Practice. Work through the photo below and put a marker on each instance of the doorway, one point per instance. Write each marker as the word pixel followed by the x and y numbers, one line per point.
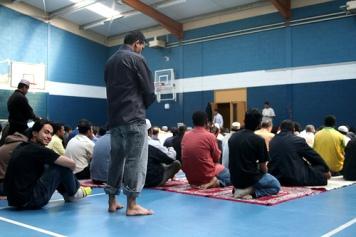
pixel 231 104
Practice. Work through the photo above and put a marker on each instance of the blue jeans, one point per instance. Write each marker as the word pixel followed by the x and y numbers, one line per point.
pixel 129 155
pixel 267 185
pixel 224 178
pixel 54 177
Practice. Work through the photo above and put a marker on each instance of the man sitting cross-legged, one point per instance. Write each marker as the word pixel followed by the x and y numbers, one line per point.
pixel 161 165
pixel 35 172
pixel 248 159
pixel 80 149
pixel 200 156
pixel 294 162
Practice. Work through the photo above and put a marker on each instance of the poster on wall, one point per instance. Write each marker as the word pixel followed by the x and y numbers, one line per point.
pixel 34 73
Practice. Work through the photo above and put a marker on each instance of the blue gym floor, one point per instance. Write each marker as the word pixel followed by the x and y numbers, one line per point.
pixel 330 213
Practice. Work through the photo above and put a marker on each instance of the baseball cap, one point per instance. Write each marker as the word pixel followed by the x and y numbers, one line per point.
pixel 26 82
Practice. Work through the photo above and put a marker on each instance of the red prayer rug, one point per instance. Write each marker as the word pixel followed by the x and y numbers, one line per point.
pixel 286 193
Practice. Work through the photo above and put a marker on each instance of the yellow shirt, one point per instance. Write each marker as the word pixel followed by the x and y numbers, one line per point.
pixel 329 143
pixel 56 145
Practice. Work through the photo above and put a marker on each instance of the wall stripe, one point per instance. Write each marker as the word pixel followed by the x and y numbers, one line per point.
pixel 282 76
pixel 77 90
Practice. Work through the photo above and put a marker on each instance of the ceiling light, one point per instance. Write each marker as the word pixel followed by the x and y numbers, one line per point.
pixel 102 10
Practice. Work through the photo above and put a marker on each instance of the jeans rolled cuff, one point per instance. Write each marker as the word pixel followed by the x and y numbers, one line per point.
pixel 130 193
pixel 111 190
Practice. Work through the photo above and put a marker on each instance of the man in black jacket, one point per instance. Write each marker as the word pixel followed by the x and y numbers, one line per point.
pixel 293 162
pixel 349 170
pixel 162 164
pixel 160 167
pixel 19 109
pixel 130 91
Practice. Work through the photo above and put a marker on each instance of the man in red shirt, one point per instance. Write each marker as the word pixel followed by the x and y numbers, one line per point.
pixel 200 156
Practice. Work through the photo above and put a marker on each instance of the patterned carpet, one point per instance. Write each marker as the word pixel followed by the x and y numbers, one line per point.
pixel 181 185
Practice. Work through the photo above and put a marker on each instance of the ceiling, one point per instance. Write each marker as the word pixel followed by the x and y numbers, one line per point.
pixel 139 15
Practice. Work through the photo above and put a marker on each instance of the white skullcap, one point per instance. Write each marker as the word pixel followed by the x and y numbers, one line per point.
pixel 343 129
pixel 148 124
pixel 236 125
pixel 26 82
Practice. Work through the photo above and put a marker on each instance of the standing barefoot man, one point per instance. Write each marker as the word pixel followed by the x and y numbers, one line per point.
pixel 129 89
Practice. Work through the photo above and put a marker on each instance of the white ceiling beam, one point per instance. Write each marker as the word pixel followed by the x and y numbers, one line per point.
pixel 72 8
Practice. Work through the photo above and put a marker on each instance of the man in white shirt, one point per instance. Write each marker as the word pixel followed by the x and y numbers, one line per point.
pixel 170 152
pixel 268 112
pixel 218 118
pixel 80 149
pixel 308 134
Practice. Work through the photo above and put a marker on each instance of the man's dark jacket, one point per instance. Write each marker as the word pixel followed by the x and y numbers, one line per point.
pixel 294 163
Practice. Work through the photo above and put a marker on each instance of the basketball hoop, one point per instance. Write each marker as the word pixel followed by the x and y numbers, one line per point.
pixel 164 85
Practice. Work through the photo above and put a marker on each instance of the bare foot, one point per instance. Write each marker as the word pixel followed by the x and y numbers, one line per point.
pixel 113 205
pixel 137 210
pixel 214 182
pixel 327 175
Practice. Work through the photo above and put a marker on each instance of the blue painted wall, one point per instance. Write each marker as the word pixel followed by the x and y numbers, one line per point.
pixel 294 46
pixel 72 59
pixel 69 59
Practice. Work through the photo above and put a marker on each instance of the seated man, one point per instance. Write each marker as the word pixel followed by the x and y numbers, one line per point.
pixel 154 141
pixel 200 156
pixel 176 141
pixel 160 166
pixel 349 170
pixel 329 144
pixel 248 157
pixel 235 126
pixel 35 172
pixel 6 150
pixel 56 143
pixel 294 162
pixel 99 165
pixel 80 149
pixel 265 131
pixel 308 134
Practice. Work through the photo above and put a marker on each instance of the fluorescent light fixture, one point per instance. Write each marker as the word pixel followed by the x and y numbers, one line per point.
pixel 102 10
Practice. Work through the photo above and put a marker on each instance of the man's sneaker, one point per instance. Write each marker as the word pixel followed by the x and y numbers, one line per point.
pixel 81 193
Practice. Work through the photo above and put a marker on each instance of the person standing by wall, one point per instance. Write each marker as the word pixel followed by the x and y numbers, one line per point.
pixel 19 109
pixel 130 91
pixel 268 112
pixel 218 118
